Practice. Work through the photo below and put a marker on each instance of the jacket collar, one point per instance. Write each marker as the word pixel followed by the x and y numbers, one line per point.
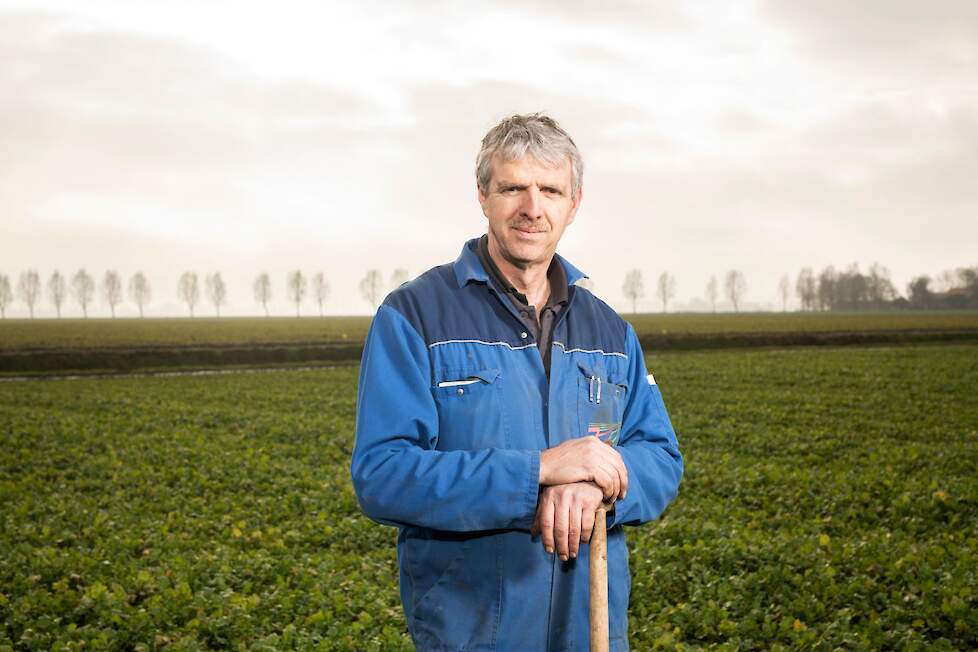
pixel 468 268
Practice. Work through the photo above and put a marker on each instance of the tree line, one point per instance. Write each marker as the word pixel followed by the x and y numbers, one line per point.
pixel 82 288
pixel 831 289
pixel 734 288
pixel 850 289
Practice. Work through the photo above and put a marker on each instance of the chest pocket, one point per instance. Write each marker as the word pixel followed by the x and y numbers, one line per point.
pixel 601 396
pixel 470 414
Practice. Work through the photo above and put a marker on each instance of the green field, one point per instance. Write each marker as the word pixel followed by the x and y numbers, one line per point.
pixel 830 502
pixel 202 331
pixel 100 333
pixel 803 322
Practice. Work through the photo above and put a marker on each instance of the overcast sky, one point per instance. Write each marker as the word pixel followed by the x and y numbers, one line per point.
pixel 337 137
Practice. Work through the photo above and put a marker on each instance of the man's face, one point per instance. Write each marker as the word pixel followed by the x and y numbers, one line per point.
pixel 529 204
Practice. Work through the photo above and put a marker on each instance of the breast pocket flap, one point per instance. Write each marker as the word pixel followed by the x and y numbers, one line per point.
pixel 607 376
pixel 460 378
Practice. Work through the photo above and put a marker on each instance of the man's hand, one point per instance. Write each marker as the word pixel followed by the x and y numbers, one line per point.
pixel 585 459
pixel 565 516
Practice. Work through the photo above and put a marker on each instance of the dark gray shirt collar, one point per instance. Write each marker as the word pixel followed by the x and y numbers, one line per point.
pixel 555 275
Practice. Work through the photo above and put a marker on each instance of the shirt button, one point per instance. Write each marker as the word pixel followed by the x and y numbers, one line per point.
pixel 523 335
pixel 460 391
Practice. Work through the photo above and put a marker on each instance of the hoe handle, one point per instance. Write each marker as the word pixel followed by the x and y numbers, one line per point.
pixel 598 582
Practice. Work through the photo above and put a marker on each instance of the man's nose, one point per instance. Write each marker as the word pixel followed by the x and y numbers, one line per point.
pixel 532 204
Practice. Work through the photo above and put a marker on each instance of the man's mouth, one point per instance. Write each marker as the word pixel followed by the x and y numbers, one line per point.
pixel 528 229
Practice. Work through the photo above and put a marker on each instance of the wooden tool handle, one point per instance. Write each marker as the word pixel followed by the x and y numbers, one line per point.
pixel 598 582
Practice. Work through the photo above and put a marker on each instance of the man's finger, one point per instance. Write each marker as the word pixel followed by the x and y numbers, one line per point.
pixel 615 473
pixel 616 469
pixel 605 479
pixel 622 479
pixel 587 524
pixel 574 529
pixel 622 474
pixel 547 525
pixel 561 528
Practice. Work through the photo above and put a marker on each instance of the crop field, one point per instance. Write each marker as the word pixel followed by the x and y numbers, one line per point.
pixel 782 322
pixel 100 333
pixel 830 501
pixel 201 331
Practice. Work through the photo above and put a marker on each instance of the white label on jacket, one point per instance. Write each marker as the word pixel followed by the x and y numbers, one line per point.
pixel 650 379
pixel 456 383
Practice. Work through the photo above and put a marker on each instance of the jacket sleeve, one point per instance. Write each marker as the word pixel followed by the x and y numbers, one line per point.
pixel 398 476
pixel 647 445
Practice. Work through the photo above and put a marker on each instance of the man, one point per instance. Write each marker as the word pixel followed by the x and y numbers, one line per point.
pixel 482 386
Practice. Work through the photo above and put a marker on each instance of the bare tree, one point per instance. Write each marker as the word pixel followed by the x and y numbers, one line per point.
pixel 881 290
pixel 6 295
pixel 713 291
pixel 112 290
pixel 296 287
pixel 665 289
pixel 828 294
pixel 735 286
pixel 399 278
pixel 139 291
pixel 188 290
pixel 57 288
pixel 83 288
pixel 29 288
pixel 784 291
pixel 805 288
pixel 217 292
pixel 320 290
pixel 633 288
pixel 370 287
pixel 262 287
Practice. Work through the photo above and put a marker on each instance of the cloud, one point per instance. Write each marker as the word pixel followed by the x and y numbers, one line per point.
pixel 99 123
pixel 655 15
pixel 765 136
pixel 917 42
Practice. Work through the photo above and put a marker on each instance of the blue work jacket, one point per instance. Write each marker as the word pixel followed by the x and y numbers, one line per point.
pixel 453 410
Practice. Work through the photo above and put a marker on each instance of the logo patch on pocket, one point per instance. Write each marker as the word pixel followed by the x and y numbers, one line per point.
pixel 605 431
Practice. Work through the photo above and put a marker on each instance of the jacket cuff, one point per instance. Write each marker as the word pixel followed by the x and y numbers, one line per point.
pixel 529 509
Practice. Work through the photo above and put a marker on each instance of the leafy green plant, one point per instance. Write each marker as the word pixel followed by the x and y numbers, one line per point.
pixel 829 501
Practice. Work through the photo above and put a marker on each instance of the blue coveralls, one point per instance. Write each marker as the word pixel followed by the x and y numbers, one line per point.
pixel 453 410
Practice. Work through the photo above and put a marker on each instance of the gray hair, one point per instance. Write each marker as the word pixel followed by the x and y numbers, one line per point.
pixel 533 134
